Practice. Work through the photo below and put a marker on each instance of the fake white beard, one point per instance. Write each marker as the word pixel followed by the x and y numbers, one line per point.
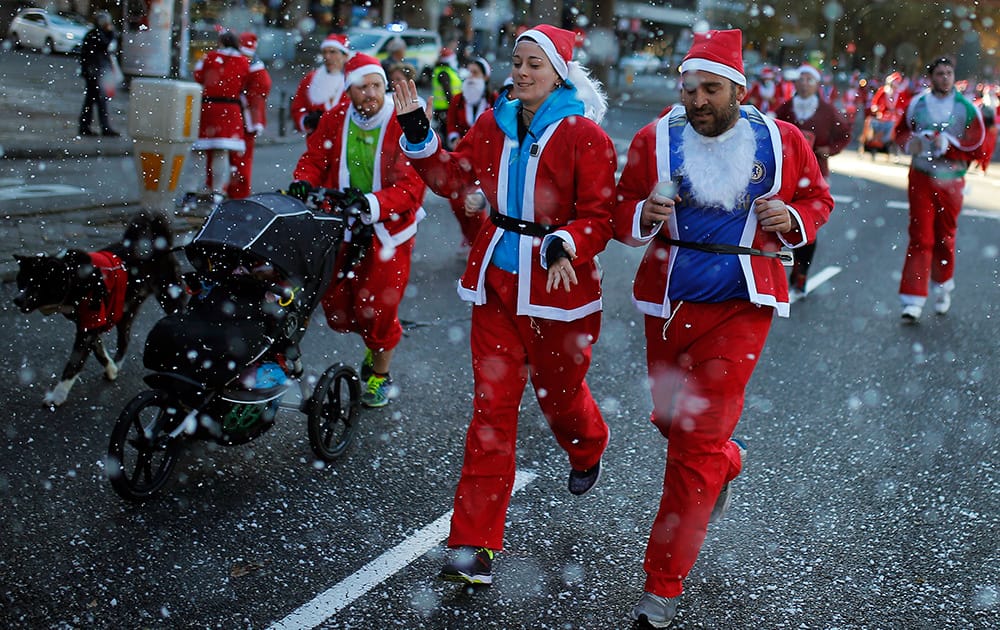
pixel 719 168
pixel 805 108
pixel 473 89
pixel 326 87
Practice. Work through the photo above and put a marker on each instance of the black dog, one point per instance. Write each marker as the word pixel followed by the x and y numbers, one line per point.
pixel 102 290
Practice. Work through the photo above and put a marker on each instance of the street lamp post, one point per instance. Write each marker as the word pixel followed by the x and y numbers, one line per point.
pixel 832 11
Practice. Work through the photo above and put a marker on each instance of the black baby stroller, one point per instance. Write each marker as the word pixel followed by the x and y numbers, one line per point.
pixel 222 366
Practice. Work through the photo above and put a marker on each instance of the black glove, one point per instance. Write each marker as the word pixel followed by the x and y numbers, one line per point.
pixel 415 125
pixel 555 251
pixel 311 120
pixel 300 189
pixel 354 201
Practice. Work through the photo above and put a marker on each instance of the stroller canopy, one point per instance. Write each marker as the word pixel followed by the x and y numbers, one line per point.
pixel 276 228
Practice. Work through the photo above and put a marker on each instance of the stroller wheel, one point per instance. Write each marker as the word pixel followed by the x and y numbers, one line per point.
pixel 142 454
pixel 333 411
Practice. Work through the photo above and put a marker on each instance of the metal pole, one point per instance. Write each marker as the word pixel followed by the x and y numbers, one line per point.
pixel 281 112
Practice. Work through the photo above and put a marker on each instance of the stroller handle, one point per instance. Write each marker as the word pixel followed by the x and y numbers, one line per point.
pixel 321 199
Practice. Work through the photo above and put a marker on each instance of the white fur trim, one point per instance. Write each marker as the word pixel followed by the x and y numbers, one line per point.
pixel 714 67
pixel 358 74
pixel 590 91
pixel 549 48
pixel 427 151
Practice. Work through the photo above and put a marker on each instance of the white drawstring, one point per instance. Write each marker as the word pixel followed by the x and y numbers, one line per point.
pixel 671 318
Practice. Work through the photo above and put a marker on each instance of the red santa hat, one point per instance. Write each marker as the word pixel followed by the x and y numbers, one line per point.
pixel 556 43
pixel 248 44
pixel 361 65
pixel 767 72
pixel 718 52
pixel 811 71
pixel 336 41
pixel 447 55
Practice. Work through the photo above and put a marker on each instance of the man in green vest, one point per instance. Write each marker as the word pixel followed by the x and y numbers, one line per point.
pixel 445 83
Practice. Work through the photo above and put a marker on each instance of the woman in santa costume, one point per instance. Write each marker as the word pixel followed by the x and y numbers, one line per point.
pixel 355 149
pixel 828 133
pixel 546 168
pixel 223 74
pixel 466 107
pixel 713 191
pixel 323 88
pixel 254 101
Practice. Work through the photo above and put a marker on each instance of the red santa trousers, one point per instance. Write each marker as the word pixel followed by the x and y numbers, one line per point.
pixel 934 208
pixel 367 301
pixel 242 167
pixel 699 364
pixel 506 350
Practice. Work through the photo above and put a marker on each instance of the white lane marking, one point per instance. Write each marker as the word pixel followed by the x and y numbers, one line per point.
pixel 842 199
pixel 815 280
pixel 39 190
pixel 898 205
pixel 982 214
pixel 339 596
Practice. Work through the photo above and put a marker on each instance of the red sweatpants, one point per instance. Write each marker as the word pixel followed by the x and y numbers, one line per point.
pixel 934 208
pixel 367 301
pixel 699 366
pixel 506 350
pixel 242 167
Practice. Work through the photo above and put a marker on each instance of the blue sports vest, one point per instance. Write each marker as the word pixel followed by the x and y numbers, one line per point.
pixel 704 276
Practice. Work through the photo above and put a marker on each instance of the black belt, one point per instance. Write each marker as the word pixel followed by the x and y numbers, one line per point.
pixel 220 99
pixel 784 256
pixel 527 228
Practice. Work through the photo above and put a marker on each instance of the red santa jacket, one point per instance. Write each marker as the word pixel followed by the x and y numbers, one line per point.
pixel 398 191
pixel 462 115
pixel 567 186
pixel 825 128
pixel 798 182
pixel 102 314
pixel 258 88
pixel 223 74
pixel 319 91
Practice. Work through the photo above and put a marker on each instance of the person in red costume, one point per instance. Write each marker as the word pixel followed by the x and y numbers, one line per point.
pixel 828 133
pixel 714 191
pixel 886 110
pixel 254 100
pixel 943 132
pixel 355 148
pixel 224 74
pixel 766 93
pixel 546 169
pixel 323 88
pixel 466 107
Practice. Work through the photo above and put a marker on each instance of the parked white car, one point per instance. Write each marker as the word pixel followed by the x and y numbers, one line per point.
pixel 47 32
pixel 422 47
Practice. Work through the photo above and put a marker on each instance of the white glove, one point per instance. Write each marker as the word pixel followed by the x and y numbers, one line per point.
pixel 475 202
pixel 940 145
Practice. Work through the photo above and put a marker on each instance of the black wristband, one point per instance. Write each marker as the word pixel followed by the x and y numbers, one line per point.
pixel 415 126
pixel 555 251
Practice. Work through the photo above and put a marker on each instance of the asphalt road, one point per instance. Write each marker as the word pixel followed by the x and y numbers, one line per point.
pixel 869 499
